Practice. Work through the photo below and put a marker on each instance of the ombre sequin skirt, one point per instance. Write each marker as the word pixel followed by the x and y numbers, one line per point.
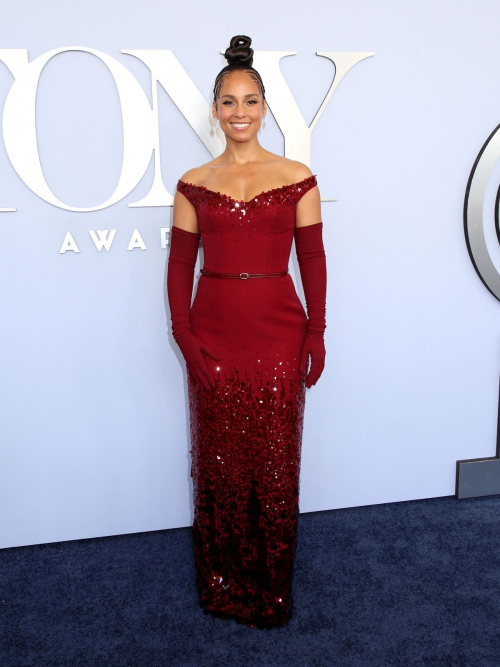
pixel 246 438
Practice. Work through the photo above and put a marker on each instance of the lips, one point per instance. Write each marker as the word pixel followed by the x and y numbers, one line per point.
pixel 240 126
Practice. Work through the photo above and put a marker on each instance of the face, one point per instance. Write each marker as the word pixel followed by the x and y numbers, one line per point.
pixel 240 106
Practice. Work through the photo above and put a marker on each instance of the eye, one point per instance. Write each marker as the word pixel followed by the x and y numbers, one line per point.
pixel 229 102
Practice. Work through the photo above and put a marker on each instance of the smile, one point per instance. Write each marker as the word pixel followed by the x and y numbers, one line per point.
pixel 240 126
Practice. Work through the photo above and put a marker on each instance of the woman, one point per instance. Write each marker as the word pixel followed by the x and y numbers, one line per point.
pixel 247 341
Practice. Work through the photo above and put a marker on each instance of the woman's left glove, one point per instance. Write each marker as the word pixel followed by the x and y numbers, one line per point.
pixel 316 348
pixel 312 263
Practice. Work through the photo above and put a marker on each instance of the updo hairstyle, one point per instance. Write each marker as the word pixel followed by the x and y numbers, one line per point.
pixel 239 56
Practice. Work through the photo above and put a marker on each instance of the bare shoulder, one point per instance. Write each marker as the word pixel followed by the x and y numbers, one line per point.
pixel 298 171
pixel 290 170
pixel 200 175
pixel 193 176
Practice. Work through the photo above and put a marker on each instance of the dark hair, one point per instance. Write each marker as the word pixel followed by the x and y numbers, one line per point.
pixel 239 55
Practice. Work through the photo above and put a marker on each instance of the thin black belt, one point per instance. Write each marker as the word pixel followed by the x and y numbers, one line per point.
pixel 242 276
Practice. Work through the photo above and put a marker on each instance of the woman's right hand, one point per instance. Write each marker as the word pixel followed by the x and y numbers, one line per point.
pixel 192 349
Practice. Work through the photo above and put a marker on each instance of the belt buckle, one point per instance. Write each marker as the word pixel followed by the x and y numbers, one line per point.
pixel 244 274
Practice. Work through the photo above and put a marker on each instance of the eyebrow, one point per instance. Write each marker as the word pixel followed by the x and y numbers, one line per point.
pixel 234 96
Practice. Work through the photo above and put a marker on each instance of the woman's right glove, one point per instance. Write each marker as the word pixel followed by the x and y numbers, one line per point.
pixel 180 278
pixel 312 263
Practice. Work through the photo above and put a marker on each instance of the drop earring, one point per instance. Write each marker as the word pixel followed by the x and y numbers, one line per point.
pixel 263 124
pixel 216 124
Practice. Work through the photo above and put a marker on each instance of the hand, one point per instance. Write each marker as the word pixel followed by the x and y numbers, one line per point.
pixel 192 349
pixel 314 346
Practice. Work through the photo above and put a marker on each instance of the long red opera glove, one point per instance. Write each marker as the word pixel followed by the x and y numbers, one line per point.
pixel 180 278
pixel 312 263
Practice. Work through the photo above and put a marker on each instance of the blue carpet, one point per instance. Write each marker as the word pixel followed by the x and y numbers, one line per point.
pixel 401 584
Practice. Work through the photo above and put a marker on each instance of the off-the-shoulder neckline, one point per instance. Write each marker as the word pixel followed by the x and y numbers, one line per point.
pixel 261 194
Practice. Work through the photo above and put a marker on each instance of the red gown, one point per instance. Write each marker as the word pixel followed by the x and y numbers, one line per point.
pixel 246 432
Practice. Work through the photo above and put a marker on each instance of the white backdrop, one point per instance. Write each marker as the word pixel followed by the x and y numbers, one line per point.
pixel 94 413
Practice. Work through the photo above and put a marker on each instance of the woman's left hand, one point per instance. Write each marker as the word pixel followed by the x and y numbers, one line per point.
pixel 314 346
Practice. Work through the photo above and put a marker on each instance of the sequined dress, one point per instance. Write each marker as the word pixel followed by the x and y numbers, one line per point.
pixel 246 432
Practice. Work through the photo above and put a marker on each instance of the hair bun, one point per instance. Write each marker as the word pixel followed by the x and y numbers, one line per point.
pixel 239 51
